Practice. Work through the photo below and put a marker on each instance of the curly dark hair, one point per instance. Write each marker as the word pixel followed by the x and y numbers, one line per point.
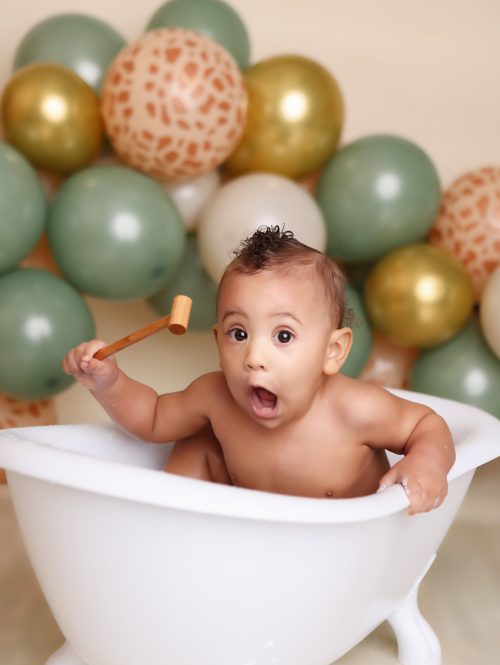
pixel 272 248
pixel 265 245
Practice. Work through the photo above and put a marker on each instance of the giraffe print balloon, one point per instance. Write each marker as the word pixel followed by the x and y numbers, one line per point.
pixel 20 413
pixel 174 104
pixel 468 224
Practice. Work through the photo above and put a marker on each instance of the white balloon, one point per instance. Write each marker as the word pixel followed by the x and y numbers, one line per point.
pixel 244 204
pixel 191 196
pixel 490 311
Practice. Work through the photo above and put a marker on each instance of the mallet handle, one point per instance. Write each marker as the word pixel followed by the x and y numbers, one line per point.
pixel 176 321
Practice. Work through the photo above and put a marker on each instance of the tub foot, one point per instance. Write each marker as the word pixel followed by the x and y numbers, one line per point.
pixel 417 642
pixel 65 656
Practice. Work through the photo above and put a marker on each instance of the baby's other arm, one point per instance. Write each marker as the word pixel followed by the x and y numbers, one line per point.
pixel 137 408
pixel 417 432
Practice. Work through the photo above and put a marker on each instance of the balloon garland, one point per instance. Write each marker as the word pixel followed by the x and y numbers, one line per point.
pixel 131 170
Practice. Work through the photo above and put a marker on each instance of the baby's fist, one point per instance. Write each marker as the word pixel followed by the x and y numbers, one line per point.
pixel 92 373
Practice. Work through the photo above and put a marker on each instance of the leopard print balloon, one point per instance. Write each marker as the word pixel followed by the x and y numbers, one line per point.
pixel 174 104
pixel 19 413
pixel 468 224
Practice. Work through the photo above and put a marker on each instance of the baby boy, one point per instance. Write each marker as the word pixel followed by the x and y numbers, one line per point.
pixel 279 416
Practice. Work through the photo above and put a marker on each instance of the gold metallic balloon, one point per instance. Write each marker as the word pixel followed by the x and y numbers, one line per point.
pixel 295 115
pixel 52 116
pixel 418 295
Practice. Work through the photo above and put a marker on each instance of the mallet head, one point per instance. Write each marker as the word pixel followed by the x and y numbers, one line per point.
pixel 179 315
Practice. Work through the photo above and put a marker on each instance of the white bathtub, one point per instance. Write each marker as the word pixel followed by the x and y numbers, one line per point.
pixel 141 567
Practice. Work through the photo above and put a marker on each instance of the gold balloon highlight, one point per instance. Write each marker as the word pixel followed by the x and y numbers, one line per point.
pixel 295 115
pixel 418 295
pixel 52 116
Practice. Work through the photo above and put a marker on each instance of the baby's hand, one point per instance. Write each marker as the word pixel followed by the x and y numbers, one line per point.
pixel 92 373
pixel 425 488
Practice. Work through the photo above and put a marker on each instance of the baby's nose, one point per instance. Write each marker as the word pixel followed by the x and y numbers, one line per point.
pixel 255 357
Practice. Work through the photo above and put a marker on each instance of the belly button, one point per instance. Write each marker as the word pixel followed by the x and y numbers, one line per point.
pixel 329 494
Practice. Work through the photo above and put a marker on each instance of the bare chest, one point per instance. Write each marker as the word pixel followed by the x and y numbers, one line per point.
pixel 315 458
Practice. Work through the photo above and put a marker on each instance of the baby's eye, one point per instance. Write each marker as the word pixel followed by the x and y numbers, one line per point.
pixel 237 334
pixel 284 336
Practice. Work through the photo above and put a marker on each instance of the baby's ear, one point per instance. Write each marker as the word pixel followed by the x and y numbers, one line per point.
pixel 215 333
pixel 339 345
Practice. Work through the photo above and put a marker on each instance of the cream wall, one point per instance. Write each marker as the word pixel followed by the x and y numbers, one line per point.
pixel 427 70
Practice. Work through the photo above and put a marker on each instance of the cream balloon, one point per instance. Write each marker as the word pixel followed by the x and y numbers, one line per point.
pixel 243 205
pixel 191 196
pixel 490 311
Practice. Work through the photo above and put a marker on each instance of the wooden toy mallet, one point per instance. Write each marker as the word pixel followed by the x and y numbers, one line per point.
pixel 176 322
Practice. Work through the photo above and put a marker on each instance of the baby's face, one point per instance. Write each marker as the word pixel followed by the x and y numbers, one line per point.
pixel 273 332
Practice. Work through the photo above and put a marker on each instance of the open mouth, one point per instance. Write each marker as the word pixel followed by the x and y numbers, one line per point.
pixel 264 402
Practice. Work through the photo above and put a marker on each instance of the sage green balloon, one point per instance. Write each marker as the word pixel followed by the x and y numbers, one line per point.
pixel 362 336
pixel 191 280
pixel 115 233
pixel 464 369
pixel 377 193
pixel 213 18
pixel 23 208
pixel 80 42
pixel 41 318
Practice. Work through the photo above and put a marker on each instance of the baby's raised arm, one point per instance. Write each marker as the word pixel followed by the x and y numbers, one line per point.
pixel 137 408
pixel 418 433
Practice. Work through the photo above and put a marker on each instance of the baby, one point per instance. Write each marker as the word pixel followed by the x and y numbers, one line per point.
pixel 279 416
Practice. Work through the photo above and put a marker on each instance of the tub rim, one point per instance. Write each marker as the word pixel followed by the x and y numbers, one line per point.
pixel 25 457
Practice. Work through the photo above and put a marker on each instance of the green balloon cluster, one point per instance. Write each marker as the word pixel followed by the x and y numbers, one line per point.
pixel 191 279
pixel 361 333
pixel 41 318
pixel 22 207
pixel 115 233
pixel 77 41
pixel 377 193
pixel 464 369
pixel 213 18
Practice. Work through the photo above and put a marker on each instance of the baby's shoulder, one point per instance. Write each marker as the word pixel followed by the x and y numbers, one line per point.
pixel 210 386
pixel 213 392
pixel 356 401
pixel 210 381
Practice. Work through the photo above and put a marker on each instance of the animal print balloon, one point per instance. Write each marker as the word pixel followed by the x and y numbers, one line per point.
pixel 468 224
pixel 19 413
pixel 174 104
